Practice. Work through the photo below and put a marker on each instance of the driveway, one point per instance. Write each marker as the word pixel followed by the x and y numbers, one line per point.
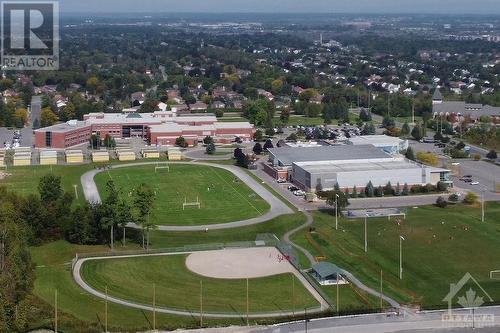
pixel 277 208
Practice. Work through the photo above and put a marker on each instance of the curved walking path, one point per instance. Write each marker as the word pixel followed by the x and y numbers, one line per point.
pixel 277 207
pixel 79 280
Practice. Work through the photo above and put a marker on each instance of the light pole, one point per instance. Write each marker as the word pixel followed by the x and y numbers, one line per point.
pixel 366 235
pixel 401 239
pixel 482 205
pixel 336 212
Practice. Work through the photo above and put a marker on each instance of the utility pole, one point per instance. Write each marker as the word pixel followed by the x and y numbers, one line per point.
pixel 336 212
pixel 482 205
pixel 106 311
pixel 338 294
pixel 401 239
pixel 413 112
pixel 154 307
pixel 55 311
pixel 293 295
pixel 76 191
pixel 381 304
pixel 201 303
pixel 112 240
pixel 388 105
pixel 248 307
pixel 366 235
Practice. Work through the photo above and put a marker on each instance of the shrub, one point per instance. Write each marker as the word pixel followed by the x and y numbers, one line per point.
pixel 441 202
pixel 476 157
pixel 417 189
pixel 406 190
pixel 354 193
pixel 428 158
pixel 397 192
pixel 442 186
pixel 379 191
pixel 388 190
pixel 470 198
pixel 219 113
pixel 453 197
pixel 492 155
pixel 210 149
pixel 429 188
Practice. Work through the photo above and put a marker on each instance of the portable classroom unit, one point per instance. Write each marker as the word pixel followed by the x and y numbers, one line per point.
pixel 48 157
pixel 150 153
pixel 2 159
pixel 100 156
pixel 174 154
pixel 125 155
pixel 22 159
pixel 74 156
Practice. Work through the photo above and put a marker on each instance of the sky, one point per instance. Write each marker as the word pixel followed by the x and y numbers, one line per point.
pixel 285 6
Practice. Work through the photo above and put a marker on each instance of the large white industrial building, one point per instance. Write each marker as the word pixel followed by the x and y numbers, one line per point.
pixel 349 166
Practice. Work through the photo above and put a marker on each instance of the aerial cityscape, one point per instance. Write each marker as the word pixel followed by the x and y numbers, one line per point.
pixel 250 167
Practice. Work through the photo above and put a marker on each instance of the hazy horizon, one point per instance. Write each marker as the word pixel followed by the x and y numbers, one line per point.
pixel 456 7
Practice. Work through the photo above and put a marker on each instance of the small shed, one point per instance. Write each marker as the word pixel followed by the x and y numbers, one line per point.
pixel 327 274
pixel 74 156
pixel 150 153
pixel 48 157
pixel 100 156
pixel 2 158
pixel 125 155
pixel 22 158
pixel 174 154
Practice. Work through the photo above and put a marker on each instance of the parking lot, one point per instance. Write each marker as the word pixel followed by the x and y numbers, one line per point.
pixel 7 136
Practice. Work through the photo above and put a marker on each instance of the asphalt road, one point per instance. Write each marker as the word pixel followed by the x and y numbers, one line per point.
pixel 36 109
pixel 277 208
pixel 385 323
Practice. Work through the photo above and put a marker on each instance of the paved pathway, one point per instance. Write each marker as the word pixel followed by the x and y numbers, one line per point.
pixel 79 280
pixel 278 208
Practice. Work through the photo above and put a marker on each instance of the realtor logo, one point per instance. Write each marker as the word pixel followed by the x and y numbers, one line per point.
pixel 30 35
pixel 470 295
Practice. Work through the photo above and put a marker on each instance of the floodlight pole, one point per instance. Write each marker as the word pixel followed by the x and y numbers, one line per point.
pixel 482 205
pixel 338 299
pixel 336 212
pixel 366 234
pixel 401 239
pixel 55 311
pixel 106 311
pixel 154 307
pixel 248 307
pixel 201 303
pixel 381 305
pixel 293 295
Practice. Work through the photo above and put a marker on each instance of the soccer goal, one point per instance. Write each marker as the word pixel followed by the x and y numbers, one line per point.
pixel 191 204
pixel 162 167
pixel 495 275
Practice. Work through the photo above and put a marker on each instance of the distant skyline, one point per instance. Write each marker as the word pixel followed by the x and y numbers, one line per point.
pixel 284 6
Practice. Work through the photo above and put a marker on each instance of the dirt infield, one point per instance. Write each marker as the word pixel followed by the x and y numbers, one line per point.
pixel 239 263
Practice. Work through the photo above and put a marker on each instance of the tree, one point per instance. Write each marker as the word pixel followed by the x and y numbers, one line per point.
pixel 241 158
pixel 397 191
pixel 95 141
pixel 268 145
pixel 292 137
pixel 492 155
pixel 47 117
pixel 470 198
pixel 388 122
pixel 405 130
pixel 369 190
pixel 181 142
pixel 258 135
pixel 319 186
pixel 144 198
pixel 338 197
pixel 379 191
pixel 409 154
pixel 21 116
pixel 365 116
pixel 388 190
pixel 406 190
pixel 257 148
pixel 441 202
pixel 125 217
pixel 109 142
pixel 270 131
pixel 208 140
pixel 428 158
pixel 49 188
pixel 109 215
pixel 354 193
pixel 219 113
pixel 210 150
pixel 417 133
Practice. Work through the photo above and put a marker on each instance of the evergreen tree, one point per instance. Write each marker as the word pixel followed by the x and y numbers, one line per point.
pixel 210 150
pixel 354 192
pixel 257 149
pixel 409 154
pixel 388 190
pixel 405 130
pixel 397 192
pixel 369 190
pixel 406 190
pixel 417 133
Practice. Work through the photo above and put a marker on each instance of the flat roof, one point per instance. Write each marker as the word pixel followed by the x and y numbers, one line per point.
pixel 64 127
pixel 375 140
pixel 48 153
pixel 288 155
pixel 330 167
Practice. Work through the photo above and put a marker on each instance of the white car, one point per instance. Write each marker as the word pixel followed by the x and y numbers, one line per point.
pixel 455 164
pixel 299 193
pixel 474 183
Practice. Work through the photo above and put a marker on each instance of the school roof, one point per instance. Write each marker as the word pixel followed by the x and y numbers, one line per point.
pixel 288 156
pixel 376 140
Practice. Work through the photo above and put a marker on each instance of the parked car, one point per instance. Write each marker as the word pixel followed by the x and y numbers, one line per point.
pixel 281 180
pixel 467 180
pixel 467 176
pixel 299 193
pixel 455 164
pixel 474 183
pixel 292 188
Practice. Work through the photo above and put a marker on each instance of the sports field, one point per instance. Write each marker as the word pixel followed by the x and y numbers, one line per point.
pixel 222 196
pixel 177 287
pixel 440 246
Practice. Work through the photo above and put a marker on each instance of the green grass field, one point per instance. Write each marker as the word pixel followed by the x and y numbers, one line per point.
pixel 223 197
pixel 435 254
pixel 24 180
pixel 177 287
